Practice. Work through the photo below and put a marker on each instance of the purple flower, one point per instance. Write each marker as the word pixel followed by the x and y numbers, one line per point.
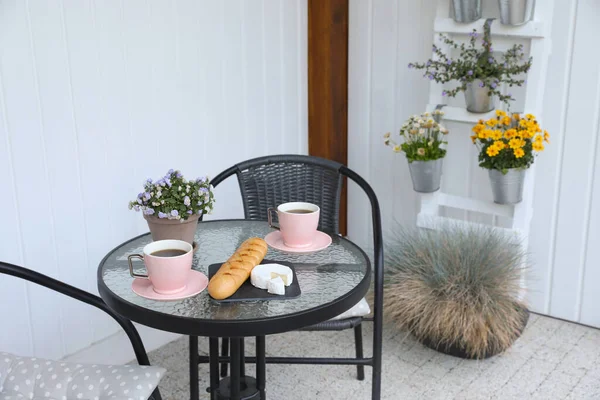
pixel 140 195
pixel 491 60
pixel 202 190
pixel 491 49
pixel 148 211
pixel 161 182
pixel 473 34
pixel 434 47
pixel 430 77
pixel 186 200
pixel 428 63
pixel 480 84
pixel 179 174
pixel 174 213
pixel 170 171
pixel 190 212
pixel 147 196
pixel 509 94
pixel 493 85
pixel 136 207
pixel 139 201
pixel 149 180
pixel 411 65
pixel 444 93
pixel 469 72
pixel 449 62
pixel 162 215
pixel 168 182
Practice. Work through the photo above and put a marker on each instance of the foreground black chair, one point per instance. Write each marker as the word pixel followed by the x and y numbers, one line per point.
pixel 78 294
pixel 269 181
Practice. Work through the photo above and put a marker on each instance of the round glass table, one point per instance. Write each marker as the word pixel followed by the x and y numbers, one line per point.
pixel 331 282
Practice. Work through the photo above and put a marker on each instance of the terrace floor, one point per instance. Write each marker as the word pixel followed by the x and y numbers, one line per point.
pixel 552 360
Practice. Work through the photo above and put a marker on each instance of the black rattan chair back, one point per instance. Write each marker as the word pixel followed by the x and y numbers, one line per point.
pixel 270 181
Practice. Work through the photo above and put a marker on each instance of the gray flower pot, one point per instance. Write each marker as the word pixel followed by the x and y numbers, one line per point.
pixel 478 99
pixel 164 229
pixel 516 12
pixel 507 189
pixel 426 175
pixel 466 11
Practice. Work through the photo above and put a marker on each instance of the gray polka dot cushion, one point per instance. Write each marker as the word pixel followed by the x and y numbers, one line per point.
pixel 34 378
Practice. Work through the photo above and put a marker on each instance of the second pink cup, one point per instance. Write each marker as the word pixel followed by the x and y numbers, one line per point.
pixel 298 222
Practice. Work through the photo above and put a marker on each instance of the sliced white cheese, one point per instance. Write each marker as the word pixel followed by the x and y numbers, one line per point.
pixel 275 286
pixel 261 274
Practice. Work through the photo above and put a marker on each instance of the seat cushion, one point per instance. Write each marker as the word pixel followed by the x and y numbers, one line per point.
pixel 38 379
pixel 360 309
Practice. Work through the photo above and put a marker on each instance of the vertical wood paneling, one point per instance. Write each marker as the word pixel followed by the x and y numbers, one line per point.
pixel 564 230
pixel 96 97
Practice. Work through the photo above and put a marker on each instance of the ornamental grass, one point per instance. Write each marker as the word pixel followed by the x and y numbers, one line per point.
pixel 455 287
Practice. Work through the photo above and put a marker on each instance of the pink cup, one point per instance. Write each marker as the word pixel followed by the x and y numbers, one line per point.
pixel 297 228
pixel 168 274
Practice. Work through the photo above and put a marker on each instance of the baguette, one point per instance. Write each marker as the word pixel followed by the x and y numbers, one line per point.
pixel 236 270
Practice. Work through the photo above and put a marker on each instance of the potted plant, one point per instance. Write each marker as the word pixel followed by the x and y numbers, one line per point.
pixel 456 289
pixel 466 11
pixel 508 146
pixel 479 74
pixel 516 12
pixel 423 140
pixel 172 205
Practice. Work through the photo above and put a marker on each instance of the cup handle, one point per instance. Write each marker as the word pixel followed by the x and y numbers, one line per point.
pixel 131 272
pixel 270 212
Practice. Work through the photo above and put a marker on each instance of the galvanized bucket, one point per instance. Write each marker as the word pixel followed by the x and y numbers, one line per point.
pixel 467 10
pixel 516 12
pixel 507 189
pixel 478 98
pixel 426 175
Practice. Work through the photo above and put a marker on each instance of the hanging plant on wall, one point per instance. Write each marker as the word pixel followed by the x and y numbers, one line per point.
pixel 479 74
pixel 507 147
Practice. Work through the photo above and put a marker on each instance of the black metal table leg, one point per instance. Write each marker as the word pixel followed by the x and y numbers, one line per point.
pixel 213 345
pixel 243 358
pixel 194 389
pixel 235 368
pixel 261 366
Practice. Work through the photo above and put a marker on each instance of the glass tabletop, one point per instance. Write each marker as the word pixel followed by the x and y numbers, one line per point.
pixel 323 276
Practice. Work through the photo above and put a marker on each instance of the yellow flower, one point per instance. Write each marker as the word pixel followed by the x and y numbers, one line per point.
pixel 499 144
pixel 506 121
pixel 539 138
pixel 515 143
pixel 496 135
pixel 492 122
pixel 538 146
pixel 547 137
pixel 524 123
pixel 510 133
pixel 519 152
pixel 516 117
pixel 397 148
pixel 500 113
pixel 484 134
pixel 473 138
pixel 530 117
pixel 527 134
pixel 387 135
pixel 492 151
pixel 478 128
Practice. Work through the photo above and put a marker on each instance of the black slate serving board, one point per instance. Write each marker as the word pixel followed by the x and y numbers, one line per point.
pixel 247 292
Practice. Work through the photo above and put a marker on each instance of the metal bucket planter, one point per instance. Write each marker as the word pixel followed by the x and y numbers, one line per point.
pixel 426 175
pixel 516 12
pixel 478 98
pixel 466 11
pixel 507 189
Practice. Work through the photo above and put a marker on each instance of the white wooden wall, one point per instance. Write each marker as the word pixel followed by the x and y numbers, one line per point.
pixel 97 96
pixel 385 35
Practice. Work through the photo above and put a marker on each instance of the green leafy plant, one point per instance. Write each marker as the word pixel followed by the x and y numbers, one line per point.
pixel 476 62
pixel 174 197
pixel 423 137
pixel 455 287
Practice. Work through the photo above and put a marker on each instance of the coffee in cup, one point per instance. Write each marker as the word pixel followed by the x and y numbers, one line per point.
pixel 298 222
pixel 168 263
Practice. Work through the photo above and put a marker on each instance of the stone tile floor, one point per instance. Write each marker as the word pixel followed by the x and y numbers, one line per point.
pixel 552 360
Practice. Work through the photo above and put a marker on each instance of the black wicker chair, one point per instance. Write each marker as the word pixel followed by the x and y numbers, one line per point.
pixel 78 294
pixel 269 181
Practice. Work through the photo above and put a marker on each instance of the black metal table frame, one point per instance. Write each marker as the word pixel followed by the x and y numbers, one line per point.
pixel 234 329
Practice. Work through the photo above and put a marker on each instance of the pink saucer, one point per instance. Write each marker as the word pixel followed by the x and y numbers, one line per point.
pixel 321 241
pixel 197 283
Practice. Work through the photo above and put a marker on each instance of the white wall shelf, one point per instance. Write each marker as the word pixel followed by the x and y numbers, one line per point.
pixel 533 29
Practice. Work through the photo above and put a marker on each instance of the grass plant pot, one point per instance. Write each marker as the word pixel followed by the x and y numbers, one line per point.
pixel 163 228
pixel 456 289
